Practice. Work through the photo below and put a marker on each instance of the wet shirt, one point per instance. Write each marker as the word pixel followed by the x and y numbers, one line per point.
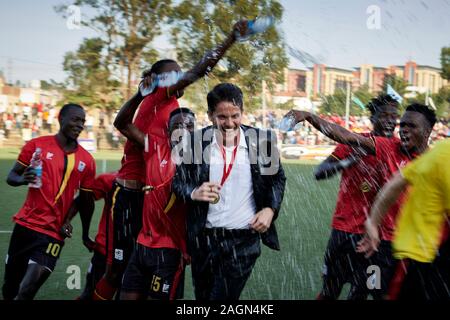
pixel 102 186
pixel 163 216
pixel 391 159
pixel 63 174
pixel 423 220
pixel 152 113
pixel 357 190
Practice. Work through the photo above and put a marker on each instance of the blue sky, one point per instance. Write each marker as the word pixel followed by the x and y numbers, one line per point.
pixel 34 38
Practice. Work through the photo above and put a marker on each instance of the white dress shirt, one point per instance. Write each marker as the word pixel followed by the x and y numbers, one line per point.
pixel 236 206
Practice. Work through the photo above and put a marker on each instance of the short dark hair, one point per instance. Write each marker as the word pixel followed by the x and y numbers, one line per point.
pixel 157 67
pixel 66 108
pixel 225 92
pixel 181 110
pixel 375 104
pixel 429 114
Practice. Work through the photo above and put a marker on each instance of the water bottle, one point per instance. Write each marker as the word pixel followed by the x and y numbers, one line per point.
pixel 162 80
pixel 287 123
pixel 258 25
pixel 148 90
pixel 36 164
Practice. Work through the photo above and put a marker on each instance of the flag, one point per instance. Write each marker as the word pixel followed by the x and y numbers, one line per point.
pixel 358 102
pixel 431 102
pixel 394 94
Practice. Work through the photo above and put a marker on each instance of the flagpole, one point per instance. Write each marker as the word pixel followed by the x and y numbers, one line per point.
pixel 264 105
pixel 347 106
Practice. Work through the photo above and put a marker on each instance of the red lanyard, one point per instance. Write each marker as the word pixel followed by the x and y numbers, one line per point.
pixel 227 171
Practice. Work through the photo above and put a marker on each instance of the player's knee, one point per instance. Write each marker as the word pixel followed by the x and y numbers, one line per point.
pixel 32 281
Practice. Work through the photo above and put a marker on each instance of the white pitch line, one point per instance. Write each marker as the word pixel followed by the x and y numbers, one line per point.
pixel 5 231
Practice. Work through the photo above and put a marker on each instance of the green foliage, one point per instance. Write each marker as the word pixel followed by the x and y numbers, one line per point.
pixel 445 62
pixel 199 25
pixel 89 76
pixel 398 83
pixel 442 102
pixel 125 29
pixel 335 103
pixel 288 105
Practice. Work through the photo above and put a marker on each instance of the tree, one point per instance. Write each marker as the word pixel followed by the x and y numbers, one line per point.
pixel 126 28
pixel 445 62
pixel 198 25
pixel 442 102
pixel 51 85
pixel 397 83
pixel 335 103
pixel 89 77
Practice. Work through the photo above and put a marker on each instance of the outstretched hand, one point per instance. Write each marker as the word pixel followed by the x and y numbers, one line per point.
pixel 371 240
pixel 298 115
pixel 240 28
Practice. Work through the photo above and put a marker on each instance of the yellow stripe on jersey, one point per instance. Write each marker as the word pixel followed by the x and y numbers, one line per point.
pixel 84 189
pixel 169 206
pixel 67 173
pixel 23 163
pixel 113 202
pixel 332 155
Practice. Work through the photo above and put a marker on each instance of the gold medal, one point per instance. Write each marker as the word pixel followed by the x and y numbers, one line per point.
pixel 216 200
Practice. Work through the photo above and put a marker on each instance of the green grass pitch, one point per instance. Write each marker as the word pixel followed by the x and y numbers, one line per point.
pixel 291 274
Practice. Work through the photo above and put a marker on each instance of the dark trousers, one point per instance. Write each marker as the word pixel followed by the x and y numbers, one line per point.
pixel 415 280
pixel 222 261
pixel 342 264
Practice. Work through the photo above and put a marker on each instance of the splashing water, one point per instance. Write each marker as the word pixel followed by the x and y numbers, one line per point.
pixel 259 25
pixel 163 80
pixel 304 57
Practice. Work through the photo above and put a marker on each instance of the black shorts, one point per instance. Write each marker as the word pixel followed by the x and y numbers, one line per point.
pixel 29 246
pixel 155 272
pixel 415 280
pixel 125 225
pixel 342 264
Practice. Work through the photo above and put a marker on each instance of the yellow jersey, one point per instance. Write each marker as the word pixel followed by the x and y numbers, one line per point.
pixel 424 215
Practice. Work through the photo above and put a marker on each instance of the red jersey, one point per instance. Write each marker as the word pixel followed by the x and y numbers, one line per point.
pixel 147 115
pixel 357 190
pixel 361 183
pixel 102 186
pixel 163 216
pixel 391 158
pixel 63 173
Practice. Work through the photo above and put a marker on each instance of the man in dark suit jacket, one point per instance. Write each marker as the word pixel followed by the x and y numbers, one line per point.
pixel 232 179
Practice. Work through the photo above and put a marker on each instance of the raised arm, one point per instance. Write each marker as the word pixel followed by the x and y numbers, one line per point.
pixel 124 120
pixel 209 60
pixel 334 131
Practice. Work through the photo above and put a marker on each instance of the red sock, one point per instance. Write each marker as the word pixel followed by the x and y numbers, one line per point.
pixel 103 290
